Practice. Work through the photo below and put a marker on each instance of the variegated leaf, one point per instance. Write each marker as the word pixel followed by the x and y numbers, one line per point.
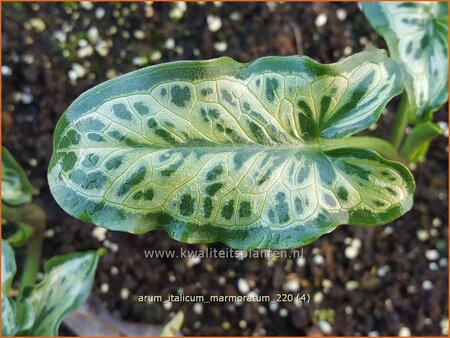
pixel 65 287
pixel 417 36
pixel 16 188
pixel 253 155
pixel 9 327
pixel 8 265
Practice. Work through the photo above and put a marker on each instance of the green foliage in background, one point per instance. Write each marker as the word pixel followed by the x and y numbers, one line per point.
pixel 417 37
pixel 36 310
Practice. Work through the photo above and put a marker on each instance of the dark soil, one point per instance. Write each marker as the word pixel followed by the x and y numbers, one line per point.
pixel 398 287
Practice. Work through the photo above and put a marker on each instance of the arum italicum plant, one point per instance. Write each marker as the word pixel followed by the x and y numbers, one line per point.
pixel 257 155
pixel 36 309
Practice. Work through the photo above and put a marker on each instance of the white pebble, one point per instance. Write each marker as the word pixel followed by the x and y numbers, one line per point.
pixel 124 293
pixel 273 307
pixel 167 305
pixel 138 34
pixel 437 222
pixel 170 43
pixel 235 16
pixel 26 98
pixel 292 285
pixel 102 48
pixel 301 261
pixel 283 313
pixel 6 70
pixel 99 13
pixel 139 60
pixel 374 333
pixel 198 308
pixel 351 252
pixel 341 14
pixel 114 270
pixel 87 5
pixel 271 5
pixel 351 285
pixel 60 36
pixel 214 23
pixel 243 324
pixel 104 288
pixel 177 12
pixel 444 126
pixel 382 271
pixel 327 284
pixel 321 20
pixel 181 5
pixel 114 247
pixel 156 55
pixel 194 260
pixel 422 235
pixel 38 24
pixel 50 233
pixel 347 50
pixel 443 262
pixel 93 34
pixel 388 230
pixel 404 332
pixel 243 286
pixel 432 255
pixel 433 266
pixel 318 259
pixel 149 10
pixel 72 75
pixel 411 289
pixel 99 233
pixel 356 243
pixel 325 327
pixel 348 310
pixel 85 51
pixel 427 285
pixel 220 46
pixel 444 326
pixel 318 297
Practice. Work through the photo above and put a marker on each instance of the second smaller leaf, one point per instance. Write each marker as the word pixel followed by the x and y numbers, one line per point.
pixel 65 287
pixel 16 188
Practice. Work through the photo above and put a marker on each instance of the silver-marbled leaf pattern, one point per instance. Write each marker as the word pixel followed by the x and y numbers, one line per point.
pixel 65 287
pixel 238 153
pixel 417 37
pixel 16 188
pixel 9 326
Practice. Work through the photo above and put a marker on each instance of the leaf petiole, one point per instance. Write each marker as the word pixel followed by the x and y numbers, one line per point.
pixel 400 122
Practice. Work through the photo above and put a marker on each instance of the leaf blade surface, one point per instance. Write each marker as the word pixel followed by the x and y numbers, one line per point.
pixel 231 152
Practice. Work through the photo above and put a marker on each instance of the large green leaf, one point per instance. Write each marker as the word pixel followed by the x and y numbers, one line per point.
pixel 252 155
pixel 65 287
pixel 16 188
pixel 417 36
